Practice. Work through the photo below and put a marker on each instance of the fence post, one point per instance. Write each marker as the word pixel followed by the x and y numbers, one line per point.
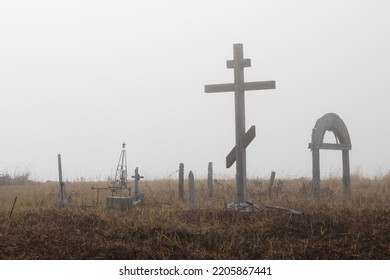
pixel 191 191
pixel 181 181
pixel 210 180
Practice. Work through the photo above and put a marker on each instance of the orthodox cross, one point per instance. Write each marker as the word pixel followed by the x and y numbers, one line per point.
pixel 238 153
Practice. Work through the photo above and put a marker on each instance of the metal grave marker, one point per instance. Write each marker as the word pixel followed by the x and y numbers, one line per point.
pixel 243 139
pixel 137 177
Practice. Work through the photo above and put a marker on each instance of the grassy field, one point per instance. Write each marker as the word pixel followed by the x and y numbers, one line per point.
pixel 164 227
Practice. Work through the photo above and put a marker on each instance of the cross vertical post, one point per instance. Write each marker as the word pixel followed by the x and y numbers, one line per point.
pixel 238 65
pixel 238 154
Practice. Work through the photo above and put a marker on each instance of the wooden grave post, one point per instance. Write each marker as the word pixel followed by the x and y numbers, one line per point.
pixel 243 139
pixel 271 183
pixel 210 180
pixel 191 189
pixel 63 196
pixel 181 181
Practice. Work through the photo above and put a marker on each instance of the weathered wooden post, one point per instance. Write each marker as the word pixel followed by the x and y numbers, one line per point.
pixel 63 196
pixel 136 177
pixel 191 184
pixel 181 181
pixel 13 207
pixel 271 183
pixel 346 174
pixel 316 171
pixel 243 139
pixel 210 180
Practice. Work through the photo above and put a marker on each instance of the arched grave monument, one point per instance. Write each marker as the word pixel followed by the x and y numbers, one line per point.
pixel 330 122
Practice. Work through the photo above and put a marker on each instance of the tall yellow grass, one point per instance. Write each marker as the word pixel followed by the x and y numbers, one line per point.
pixel 164 227
pixel 163 194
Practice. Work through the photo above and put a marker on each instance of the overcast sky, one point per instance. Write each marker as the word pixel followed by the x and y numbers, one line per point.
pixel 78 78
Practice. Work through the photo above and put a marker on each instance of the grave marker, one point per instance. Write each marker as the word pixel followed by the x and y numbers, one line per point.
pixel 243 139
pixel 191 189
pixel 210 180
pixel 119 198
pixel 137 177
pixel 63 196
pixel 181 181
pixel 333 123
pixel 271 183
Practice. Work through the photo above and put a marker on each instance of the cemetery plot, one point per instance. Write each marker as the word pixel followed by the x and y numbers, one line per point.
pixel 289 222
pixel 165 227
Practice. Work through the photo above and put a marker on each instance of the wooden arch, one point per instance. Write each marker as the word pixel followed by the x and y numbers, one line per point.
pixel 330 122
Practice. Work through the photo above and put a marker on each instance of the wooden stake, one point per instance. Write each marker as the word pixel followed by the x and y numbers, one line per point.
pixel 13 206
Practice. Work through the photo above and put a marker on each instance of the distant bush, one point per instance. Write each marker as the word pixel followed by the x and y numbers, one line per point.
pixel 16 179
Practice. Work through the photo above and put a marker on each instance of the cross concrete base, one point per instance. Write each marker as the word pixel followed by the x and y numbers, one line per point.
pixel 138 199
pixel 246 206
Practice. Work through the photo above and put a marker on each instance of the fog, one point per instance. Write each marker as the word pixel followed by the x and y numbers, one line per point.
pixel 79 78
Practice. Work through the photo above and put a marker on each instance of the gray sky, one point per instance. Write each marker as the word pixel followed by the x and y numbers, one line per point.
pixel 80 77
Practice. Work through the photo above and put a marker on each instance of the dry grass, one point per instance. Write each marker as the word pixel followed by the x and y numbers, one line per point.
pixel 163 227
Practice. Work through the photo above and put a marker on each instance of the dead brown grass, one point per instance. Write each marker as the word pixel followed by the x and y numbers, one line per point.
pixel 332 227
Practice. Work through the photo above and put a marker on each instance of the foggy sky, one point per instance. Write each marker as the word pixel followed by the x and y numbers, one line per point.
pixel 78 78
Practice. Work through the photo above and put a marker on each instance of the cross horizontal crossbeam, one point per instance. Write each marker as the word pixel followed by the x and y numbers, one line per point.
pixel 247 86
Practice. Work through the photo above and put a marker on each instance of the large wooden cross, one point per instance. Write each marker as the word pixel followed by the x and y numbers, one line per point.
pixel 238 153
